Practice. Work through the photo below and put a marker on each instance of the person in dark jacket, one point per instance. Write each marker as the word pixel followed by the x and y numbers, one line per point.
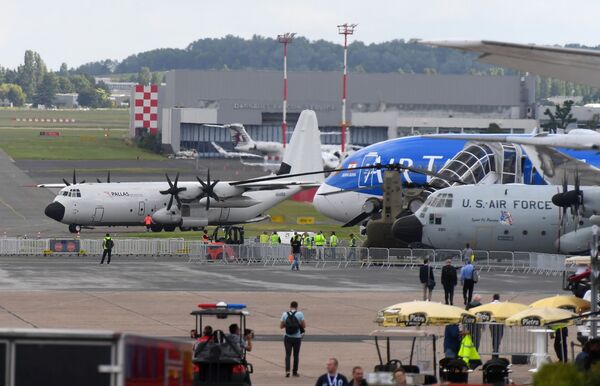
pixel 449 281
pixel 427 279
pixel 452 339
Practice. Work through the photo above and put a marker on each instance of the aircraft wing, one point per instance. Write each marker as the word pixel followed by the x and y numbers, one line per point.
pixel 273 185
pixel 576 139
pixel 554 165
pixel 58 186
pixel 570 64
pixel 234 154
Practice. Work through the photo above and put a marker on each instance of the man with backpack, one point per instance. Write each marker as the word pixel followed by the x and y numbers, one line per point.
pixel 293 323
pixel 107 246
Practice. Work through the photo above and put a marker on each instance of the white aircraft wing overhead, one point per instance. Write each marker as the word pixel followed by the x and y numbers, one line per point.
pixel 570 64
pixel 59 186
pixel 554 165
pixel 579 139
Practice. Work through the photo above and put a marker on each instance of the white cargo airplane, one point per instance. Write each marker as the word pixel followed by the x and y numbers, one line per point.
pixel 233 202
pixel 273 151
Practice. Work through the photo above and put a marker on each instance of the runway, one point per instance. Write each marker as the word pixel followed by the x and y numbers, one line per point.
pixel 171 274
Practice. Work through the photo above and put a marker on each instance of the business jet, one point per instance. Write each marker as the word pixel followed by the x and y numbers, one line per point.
pixel 273 151
pixel 191 204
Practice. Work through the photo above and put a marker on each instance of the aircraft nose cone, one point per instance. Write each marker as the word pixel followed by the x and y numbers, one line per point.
pixel 55 211
pixel 408 229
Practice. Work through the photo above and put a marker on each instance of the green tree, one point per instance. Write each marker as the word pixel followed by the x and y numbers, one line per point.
pixel 64 69
pixel 157 78
pixel 144 76
pixel 47 89
pixel 558 374
pixel 561 117
pixel 14 93
pixel 31 72
pixel 80 83
pixel 88 97
pixel 65 85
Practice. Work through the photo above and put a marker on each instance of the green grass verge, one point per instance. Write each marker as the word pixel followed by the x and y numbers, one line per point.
pixel 72 144
pixel 291 210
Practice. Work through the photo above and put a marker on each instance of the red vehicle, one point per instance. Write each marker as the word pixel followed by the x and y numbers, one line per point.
pixel 219 248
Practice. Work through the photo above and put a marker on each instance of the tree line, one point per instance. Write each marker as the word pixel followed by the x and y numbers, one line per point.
pixel 33 83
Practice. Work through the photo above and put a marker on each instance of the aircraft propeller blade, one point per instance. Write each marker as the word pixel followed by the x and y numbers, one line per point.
pixel 208 189
pixel 174 191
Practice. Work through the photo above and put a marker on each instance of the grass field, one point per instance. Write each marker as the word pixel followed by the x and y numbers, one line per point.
pixel 289 209
pixel 72 144
pixel 81 140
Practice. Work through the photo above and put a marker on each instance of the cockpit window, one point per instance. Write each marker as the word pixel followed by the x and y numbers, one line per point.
pixel 65 193
pixel 441 200
pixel 73 193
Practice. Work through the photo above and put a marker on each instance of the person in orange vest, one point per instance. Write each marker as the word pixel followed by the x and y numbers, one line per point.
pixel 148 222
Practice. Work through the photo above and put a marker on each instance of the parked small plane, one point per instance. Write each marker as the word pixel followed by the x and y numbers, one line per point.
pixel 191 203
pixel 273 151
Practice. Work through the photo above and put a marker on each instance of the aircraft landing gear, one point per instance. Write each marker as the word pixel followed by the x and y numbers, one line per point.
pixel 74 228
pixel 156 227
pixel 185 229
pixel 169 228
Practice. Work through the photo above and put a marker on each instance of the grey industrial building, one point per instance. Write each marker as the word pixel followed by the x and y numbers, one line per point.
pixel 380 106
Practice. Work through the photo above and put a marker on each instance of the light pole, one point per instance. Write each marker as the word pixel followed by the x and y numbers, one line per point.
pixel 285 39
pixel 345 29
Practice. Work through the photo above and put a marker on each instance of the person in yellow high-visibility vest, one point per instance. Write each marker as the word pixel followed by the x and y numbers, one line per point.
pixel 320 245
pixel 307 243
pixel 333 240
pixel 264 238
pixel 275 240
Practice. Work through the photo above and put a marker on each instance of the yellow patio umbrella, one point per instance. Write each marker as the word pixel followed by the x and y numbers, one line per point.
pixel 537 317
pixel 497 312
pixel 421 313
pixel 566 302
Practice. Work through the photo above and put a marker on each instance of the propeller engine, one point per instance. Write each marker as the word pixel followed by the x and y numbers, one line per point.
pixel 74 181
pixel 570 199
pixel 107 178
pixel 174 191
pixel 208 189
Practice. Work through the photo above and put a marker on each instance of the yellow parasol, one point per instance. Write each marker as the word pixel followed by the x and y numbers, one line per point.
pixel 497 312
pixel 537 317
pixel 420 313
pixel 565 302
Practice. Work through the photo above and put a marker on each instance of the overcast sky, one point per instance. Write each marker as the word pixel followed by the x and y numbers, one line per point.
pixel 80 31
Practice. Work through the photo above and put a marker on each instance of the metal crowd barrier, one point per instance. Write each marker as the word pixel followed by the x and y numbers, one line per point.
pixel 265 254
pixel 498 339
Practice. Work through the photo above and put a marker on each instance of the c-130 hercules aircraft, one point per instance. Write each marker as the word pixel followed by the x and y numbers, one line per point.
pixel 191 204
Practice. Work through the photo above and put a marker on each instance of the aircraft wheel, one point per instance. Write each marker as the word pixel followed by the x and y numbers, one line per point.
pixel 156 228
pixel 74 228
pixel 169 228
pixel 185 229
pixel 197 229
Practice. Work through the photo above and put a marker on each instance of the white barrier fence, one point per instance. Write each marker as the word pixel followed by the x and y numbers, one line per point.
pixel 254 253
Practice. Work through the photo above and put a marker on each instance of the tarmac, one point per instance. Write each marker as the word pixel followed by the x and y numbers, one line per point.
pixel 155 298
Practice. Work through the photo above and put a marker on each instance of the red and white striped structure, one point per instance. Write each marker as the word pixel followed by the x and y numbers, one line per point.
pixel 285 39
pixel 146 107
pixel 345 29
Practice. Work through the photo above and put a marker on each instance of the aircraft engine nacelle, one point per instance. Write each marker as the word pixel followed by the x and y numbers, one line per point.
pixel 224 190
pixel 575 242
pixel 167 217
pixel 591 201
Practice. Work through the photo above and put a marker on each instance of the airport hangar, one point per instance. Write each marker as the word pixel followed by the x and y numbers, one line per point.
pixel 380 106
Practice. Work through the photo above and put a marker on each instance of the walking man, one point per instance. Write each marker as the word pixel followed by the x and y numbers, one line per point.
pixel 332 377
pixel 293 323
pixel 296 244
pixel 449 281
pixel 427 279
pixel 467 276
pixel 148 222
pixel 107 246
